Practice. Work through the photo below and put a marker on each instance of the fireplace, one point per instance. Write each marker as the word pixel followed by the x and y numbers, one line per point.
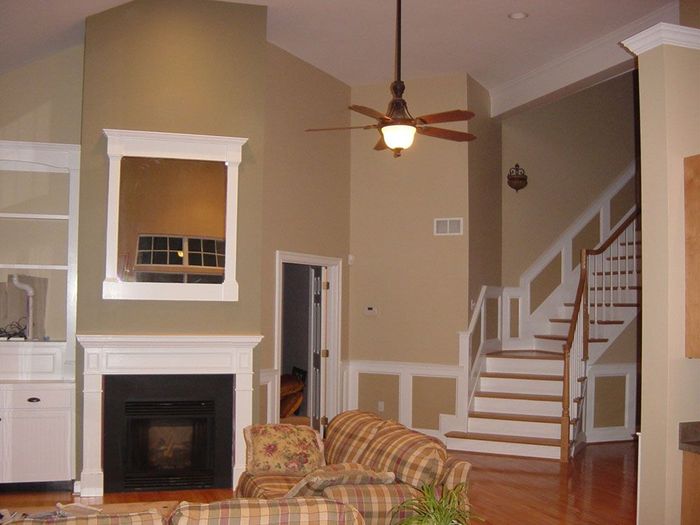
pixel 166 357
pixel 167 432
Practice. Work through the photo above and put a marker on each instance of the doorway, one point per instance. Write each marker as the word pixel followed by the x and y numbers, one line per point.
pixel 307 338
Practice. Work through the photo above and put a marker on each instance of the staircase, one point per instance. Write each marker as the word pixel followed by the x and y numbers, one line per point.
pixel 529 401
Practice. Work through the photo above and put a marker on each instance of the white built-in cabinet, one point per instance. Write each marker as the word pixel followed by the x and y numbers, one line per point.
pixel 39 189
pixel 37 431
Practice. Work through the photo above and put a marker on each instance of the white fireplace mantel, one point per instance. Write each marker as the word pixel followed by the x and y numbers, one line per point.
pixel 157 355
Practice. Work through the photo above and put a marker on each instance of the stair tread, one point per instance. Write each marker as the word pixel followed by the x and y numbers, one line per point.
pixel 526 354
pixel 503 438
pixel 618 272
pixel 513 375
pixel 621 305
pixel 515 417
pixel 630 287
pixel 623 257
pixel 516 395
pixel 606 321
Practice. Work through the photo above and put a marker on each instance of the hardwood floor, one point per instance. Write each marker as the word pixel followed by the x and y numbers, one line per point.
pixel 597 488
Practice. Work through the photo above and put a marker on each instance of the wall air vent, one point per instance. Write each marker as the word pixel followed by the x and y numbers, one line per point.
pixel 449 226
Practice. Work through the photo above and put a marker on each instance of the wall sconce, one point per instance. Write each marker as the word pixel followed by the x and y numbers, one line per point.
pixel 517 178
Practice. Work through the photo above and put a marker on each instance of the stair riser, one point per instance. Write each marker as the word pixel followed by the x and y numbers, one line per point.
pixel 514 428
pixel 525 366
pixel 493 384
pixel 509 449
pixel 517 406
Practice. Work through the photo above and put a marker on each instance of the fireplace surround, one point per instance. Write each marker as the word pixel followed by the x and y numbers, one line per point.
pixel 161 355
pixel 165 432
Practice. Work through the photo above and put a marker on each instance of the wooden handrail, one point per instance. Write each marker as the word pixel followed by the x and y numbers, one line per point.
pixel 581 301
pixel 614 235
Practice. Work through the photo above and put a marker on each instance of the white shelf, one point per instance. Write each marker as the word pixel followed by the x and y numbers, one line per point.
pixel 35 216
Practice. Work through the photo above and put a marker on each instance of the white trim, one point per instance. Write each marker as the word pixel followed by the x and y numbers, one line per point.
pixel 269 380
pixel 663 34
pixel 122 143
pixel 334 267
pixel 406 371
pixel 583 63
pixel 161 354
pixel 626 431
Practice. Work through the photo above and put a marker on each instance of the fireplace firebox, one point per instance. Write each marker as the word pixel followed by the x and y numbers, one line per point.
pixel 167 432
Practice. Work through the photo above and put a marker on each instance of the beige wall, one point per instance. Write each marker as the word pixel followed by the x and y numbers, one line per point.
pixel 42 100
pixel 187 66
pixel 670 130
pixel 432 396
pixel 484 192
pixel 306 191
pixel 624 349
pixel 609 402
pixel 571 150
pixel 690 13
pixel 417 282
pixel 374 389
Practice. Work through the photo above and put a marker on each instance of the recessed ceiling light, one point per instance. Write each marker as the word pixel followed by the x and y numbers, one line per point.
pixel 518 15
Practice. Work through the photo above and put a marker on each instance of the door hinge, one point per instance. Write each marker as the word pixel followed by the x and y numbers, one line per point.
pixel 326 285
pixel 325 353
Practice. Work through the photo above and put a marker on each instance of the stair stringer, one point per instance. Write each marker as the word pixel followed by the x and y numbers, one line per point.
pixel 535 322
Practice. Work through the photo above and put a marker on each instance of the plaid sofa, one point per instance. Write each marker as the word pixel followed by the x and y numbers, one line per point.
pixel 289 511
pixel 356 438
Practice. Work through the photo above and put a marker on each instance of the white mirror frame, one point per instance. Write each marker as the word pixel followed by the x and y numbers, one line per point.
pixel 123 143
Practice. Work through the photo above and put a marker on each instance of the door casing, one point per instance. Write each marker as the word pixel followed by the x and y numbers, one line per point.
pixel 334 268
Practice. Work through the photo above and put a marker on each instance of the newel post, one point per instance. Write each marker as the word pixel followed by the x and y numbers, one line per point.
pixel 565 416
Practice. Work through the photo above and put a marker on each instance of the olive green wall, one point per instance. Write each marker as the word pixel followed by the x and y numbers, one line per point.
pixel 306 191
pixel 41 101
pixel 182 66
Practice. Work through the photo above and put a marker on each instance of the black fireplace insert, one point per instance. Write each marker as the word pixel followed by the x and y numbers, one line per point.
pixel 167 432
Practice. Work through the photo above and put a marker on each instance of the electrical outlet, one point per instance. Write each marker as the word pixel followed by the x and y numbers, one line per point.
pixel 380 406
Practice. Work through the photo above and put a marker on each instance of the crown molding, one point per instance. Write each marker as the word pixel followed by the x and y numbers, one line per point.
pixel 663 34
pixel 586 62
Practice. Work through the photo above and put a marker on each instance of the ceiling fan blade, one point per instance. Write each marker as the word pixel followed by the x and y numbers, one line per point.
pixel 380 145
pixel 448 134
pixel 369 112
pixel 454 115
pixel 369 126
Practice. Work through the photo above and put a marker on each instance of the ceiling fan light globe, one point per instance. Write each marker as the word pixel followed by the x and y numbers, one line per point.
pixel 398 136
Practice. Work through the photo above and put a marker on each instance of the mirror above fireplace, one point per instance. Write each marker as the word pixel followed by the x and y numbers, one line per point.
pixel 171 216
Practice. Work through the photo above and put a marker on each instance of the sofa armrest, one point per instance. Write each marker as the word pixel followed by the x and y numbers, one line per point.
pixel 456 472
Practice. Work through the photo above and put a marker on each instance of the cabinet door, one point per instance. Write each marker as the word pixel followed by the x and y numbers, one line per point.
pixel 38 442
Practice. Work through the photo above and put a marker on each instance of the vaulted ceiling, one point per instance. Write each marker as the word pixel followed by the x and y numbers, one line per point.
pixel 353 40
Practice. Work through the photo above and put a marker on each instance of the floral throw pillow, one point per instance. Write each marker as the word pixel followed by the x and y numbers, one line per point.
pixel 291 450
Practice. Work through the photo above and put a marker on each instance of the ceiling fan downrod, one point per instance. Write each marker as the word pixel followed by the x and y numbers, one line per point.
pixel 397 111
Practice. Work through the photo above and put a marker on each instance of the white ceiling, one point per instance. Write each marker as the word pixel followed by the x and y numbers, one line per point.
pixel 353 40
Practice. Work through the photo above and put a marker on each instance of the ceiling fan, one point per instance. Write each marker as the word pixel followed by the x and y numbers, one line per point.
pixel 397 127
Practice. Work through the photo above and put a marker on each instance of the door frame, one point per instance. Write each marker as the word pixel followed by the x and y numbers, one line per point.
pixel 334 268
